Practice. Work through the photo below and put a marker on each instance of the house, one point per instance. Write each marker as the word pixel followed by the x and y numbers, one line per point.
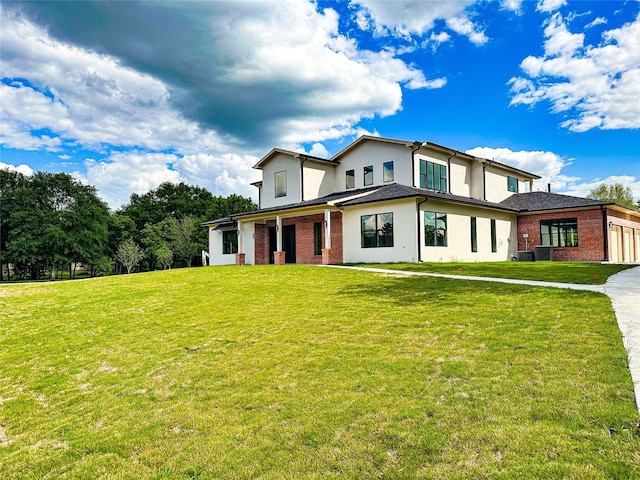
pixel 388 200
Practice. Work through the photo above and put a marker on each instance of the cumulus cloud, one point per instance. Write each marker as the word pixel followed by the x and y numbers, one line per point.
pixel 582 189
pixel 23 169
pixel 550 5
pixel 593 86
pixel 407 18
pixel 512 5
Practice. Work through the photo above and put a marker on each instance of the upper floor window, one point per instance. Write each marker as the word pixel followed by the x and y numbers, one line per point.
pixel 387 171
pixel 435 229
pixel 229 242
pixel 368 175
pixel 281 183
pixel 433 176
pixel 376 230
pixel 351 178
pixel 559 233
pixel 512 184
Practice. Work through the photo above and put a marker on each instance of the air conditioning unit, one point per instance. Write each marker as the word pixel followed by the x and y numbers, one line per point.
pixel 544 254
pixel 525 256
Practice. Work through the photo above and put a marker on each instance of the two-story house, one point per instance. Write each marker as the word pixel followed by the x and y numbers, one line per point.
pixel 387 200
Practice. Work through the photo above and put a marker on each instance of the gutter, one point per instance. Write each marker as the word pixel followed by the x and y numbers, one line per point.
pixel 303 158
pixel 605 233
pixel 484 179
pixel 449 172
pixel 425 200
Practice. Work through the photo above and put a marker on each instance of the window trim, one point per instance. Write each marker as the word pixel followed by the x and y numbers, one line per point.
pixel 229 247
pixel 510 180
pixel 350 174
pixel 368 175
pixel 276 176
pixel 494 236
pixel 317 238
pixel 433 235
pixel 428 172
pixel 387 177
pixel 474 234
pixel 378 232
pixel 564 227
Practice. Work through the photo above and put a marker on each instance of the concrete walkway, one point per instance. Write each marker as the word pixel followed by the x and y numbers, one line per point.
pixel 622 288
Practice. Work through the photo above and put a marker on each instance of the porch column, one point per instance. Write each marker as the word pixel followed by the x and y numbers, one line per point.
pixel 326 251
pixel 240 256
pixel 278 255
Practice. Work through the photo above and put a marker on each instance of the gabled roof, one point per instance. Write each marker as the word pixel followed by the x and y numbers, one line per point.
pixel 369 138
pixel 276 151
pixel 541 201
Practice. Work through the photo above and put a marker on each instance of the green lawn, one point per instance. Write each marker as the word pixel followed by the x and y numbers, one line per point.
pixel 303 372
pixel 563 272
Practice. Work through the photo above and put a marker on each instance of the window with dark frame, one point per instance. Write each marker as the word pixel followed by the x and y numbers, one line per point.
pixel 317 238
pixel 559 232
pixel 368 175
pixel 474 234
pixel 387 172
pixel 280 180
pixel 435 229
pixel 512 184
pixel 350 179
pixel 494 239
pixel 376 230
pixel 433 176
pixel 229 242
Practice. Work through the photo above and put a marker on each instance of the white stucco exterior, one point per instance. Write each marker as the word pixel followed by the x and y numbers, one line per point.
pixel 280 162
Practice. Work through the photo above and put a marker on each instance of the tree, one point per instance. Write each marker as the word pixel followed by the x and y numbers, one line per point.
pixel 10 182
pixel 186 243
pixel 164 255
pixel 616 193
pixel 129 254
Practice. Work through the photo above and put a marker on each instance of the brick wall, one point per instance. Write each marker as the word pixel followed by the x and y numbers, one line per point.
pixel 590 235
pixel 304 238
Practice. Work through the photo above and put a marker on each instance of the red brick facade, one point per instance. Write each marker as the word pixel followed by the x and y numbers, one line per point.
pixel 591 231
pixel 305 251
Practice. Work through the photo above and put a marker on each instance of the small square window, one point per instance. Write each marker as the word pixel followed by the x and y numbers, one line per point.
pixel 351 178
pixel 387 171
pixel 368 175
pixel 281 183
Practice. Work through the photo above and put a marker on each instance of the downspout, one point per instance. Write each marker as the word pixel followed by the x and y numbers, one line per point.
pixel 605 233
pixel 449 171
pixel 418 229
pixel 484 179
pixel 418 145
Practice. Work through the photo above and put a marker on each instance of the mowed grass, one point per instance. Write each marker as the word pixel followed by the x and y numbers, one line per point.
pixel 304 372
pixel 588 273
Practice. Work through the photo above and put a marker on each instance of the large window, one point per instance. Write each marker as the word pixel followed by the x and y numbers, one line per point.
pixel 350 179
pixel 559 233
pixel 433 176
pixel 512 184
pixel 229 241
pixel 435 229
pixel 317 238
pixel 281 183
pixel 377 230
pixel 368 175
pixel 474 234
pixel 494 238
pixel 387 172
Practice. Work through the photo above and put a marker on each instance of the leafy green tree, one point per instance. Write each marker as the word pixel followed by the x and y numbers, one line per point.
pixel 154 236
pixel 129 254
pixel 616 193
pixel 10 182
pixel 186 243
pixel 120 228
pixel 164 255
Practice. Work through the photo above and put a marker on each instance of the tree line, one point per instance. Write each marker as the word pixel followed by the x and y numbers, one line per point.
pixel 51 225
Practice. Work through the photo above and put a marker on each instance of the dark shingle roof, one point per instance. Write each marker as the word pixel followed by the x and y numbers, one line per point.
pixel 396 192
pixel 540 201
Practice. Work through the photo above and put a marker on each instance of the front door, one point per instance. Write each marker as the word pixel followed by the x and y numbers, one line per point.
pixel 288 243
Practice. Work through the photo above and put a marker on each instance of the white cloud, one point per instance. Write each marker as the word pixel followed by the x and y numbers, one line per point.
pixel 549 6
pixel 582 189
pixel 593 86
pixel 596 21
pixel 319 150
pixel 406 18
pixel 23 169
pixel 512 5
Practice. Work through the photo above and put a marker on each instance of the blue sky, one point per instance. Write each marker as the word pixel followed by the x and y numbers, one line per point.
pixel 127 95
